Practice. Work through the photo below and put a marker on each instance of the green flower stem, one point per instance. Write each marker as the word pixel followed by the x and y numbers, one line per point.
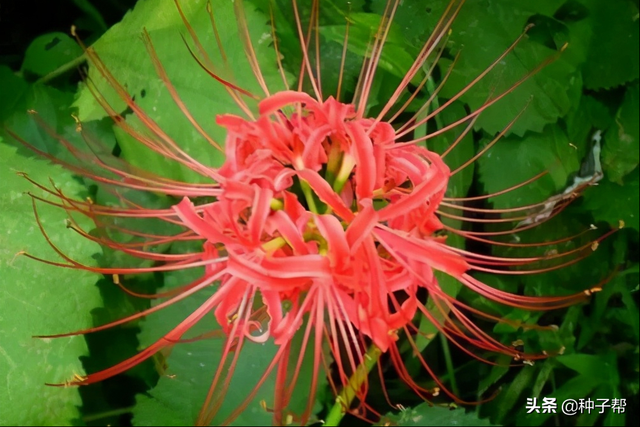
pixel 308 195
pixel 348 163
pixel 348 393
pixel 333 163
pixel 449 363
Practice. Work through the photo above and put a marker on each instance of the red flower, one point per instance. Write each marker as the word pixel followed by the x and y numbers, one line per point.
pixel 323 225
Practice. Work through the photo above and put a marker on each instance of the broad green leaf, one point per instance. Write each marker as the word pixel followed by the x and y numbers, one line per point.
pixel 428 415
pixel 12 88
pixel 36 298
pixel 613 53
pixel 598 378
pixel 566 391
pixel 414 18
pixel 394 58
pixel 514 160
pixel 332 14
pixel 52 107
pixel 585 365
pixel 126 58
pixel 494 373
pixel 483 31
pixel 515 391
pixel 613 203
pixel 50 51
pixel 589 116
pixel 463 151
pixel 93 14
pixel 604 310
pixel 183 386
pixel 190 369
pixel 621 152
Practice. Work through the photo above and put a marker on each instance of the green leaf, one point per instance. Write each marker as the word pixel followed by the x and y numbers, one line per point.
pixel 620 154
pixel 589 115
pixel 394 58
pixel 484 31
pixel 13 89
pixel 463 151
pixel 181 391
pixel 93 14
pixel 183 386
pixel 51 105
pixel 414 18
pixel 50 51
pixel 612 203
pixel 584 364
pixel 203 96
pixel 526 157
pixel 598 378
pixel 428 415
pixel 510 396
pixel 613 53
pixel 36 299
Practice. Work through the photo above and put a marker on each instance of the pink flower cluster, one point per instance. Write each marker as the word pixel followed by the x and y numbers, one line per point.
pixel 356 258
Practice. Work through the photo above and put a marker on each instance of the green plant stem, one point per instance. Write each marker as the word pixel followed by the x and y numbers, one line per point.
pixel 449 363
pixel 308 195
pixel 62 69
pixel 349 391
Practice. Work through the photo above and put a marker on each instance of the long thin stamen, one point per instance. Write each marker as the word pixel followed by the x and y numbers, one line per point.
pixel 321 233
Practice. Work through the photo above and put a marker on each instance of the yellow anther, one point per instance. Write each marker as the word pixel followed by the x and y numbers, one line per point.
pixel 79 378
pixel 591 291
pixel 78 123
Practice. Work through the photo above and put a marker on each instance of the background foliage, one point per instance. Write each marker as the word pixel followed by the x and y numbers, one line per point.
pixel 593 85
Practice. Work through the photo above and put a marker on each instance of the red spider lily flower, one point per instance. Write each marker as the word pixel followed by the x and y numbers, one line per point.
pixel 323 225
